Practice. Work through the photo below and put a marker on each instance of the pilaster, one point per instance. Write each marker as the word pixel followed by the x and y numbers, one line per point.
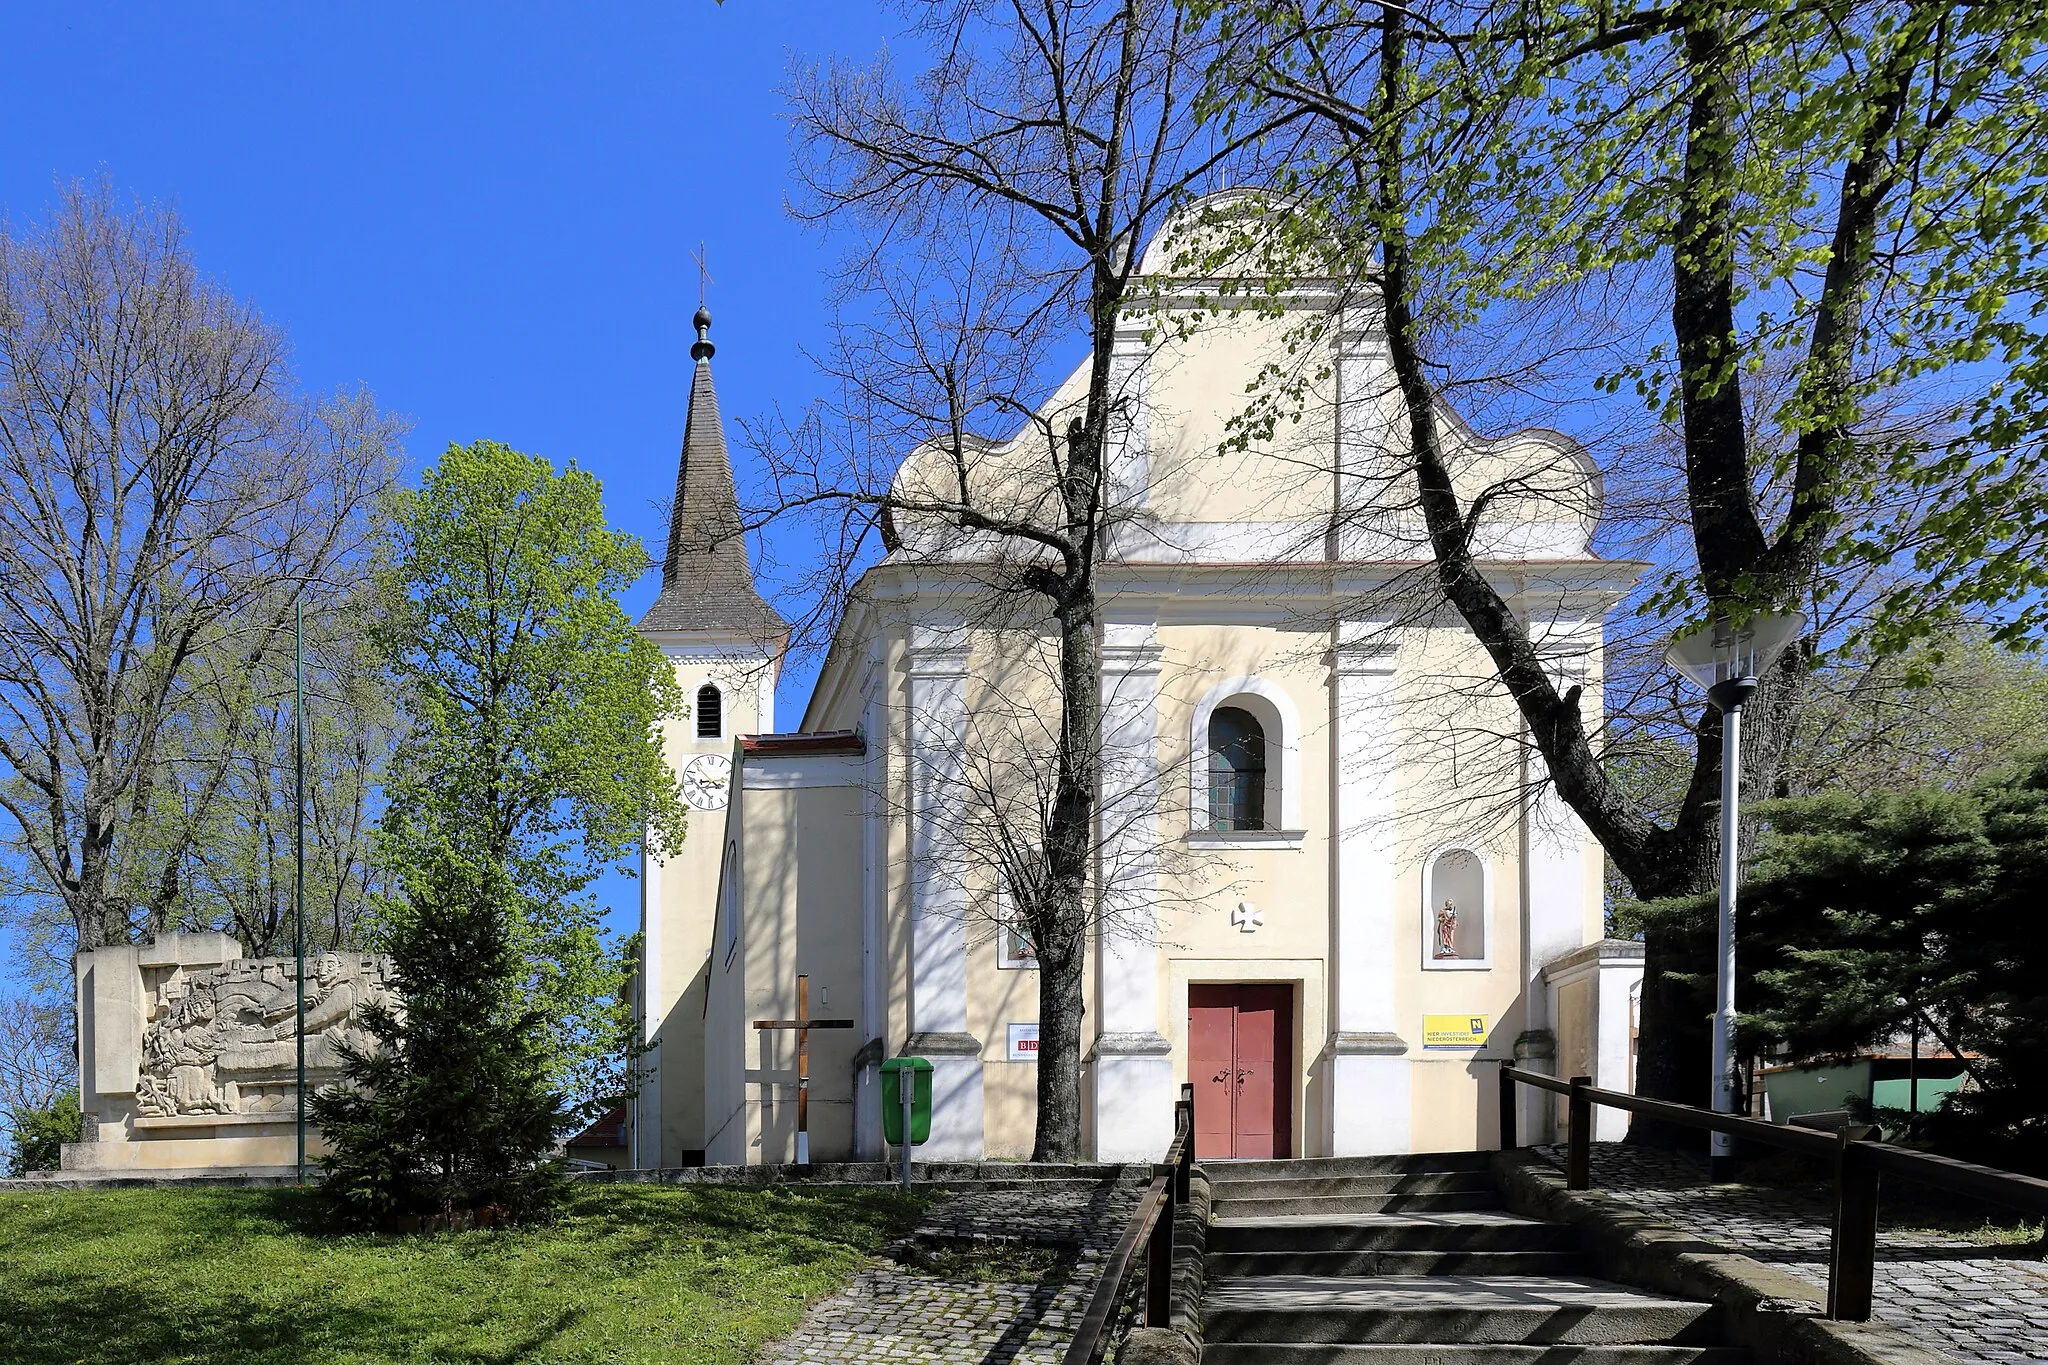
pixel 1133 1060
pixel 1370 419
pixel 1370 1095
pixel 1128 457
pixel 647 1125
pixel 938 891
pixel 1553 902
pixel 874 999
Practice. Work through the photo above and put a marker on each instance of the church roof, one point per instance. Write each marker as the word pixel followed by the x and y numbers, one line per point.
pixel 706 582
pixel 803 744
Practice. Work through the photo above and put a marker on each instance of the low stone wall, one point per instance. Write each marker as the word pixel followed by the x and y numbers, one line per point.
pixel 1770 1311
pixel 986 1175
pixel 865 1173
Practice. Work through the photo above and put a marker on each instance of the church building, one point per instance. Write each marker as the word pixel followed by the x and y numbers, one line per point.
pixel 1334 889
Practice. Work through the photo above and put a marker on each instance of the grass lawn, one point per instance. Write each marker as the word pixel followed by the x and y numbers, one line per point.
pixel 629 1273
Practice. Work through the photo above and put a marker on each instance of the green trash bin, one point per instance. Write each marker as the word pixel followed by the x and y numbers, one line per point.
pixel 894 1070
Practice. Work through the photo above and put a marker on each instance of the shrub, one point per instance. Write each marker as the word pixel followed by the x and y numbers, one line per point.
pixel 40 1135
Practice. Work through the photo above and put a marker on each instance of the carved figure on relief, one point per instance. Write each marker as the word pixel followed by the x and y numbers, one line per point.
pixel 223 1040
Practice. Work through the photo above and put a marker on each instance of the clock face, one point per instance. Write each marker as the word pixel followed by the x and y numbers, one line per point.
pixel 707 781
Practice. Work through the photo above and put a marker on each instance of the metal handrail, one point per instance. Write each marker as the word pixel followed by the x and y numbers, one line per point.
pixel 1152 1222
pixel 1857 1158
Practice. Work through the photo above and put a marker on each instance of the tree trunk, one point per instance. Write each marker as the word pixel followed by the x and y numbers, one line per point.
pixel 1060 979
pixel 1069 845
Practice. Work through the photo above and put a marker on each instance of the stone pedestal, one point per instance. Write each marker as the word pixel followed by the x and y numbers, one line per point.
pixel 1370 1101
pixel 1133 1097
pixel 956 1095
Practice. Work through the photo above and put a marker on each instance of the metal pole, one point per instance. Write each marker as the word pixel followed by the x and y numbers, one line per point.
pixel 803 1070
pixel 906 1079
pixel 1508 1101
pixel 1912 1073
pixel 299 857
pixel 1723 1163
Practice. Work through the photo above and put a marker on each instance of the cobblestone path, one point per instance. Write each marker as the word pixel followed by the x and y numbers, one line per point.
pixel 1949 1293
pixel 932 1304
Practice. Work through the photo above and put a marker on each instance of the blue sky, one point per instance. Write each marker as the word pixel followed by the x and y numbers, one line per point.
pixel 483 212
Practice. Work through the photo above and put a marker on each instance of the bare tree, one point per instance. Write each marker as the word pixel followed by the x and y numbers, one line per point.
pixel 166 495
pixel 1003 195
pixel 238 872
pixel 37 1060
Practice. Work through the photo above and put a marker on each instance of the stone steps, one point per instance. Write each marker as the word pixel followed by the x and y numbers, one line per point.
pixel 1451 1309
pixel 1222 1173
pixel 1457 1202
pixel 1425 1353
pixel 1244 1264
pixel 1476 1230
pixel 1387 1182
pixel 1411 1260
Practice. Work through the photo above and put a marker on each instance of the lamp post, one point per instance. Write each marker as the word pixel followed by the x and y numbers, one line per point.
pixel 1726 657
pixel 299 861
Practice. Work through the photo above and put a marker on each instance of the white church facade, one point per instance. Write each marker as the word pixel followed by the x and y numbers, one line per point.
pixel 1334 891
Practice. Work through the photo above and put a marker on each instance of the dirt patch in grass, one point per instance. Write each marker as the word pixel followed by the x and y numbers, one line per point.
pixel 984 1263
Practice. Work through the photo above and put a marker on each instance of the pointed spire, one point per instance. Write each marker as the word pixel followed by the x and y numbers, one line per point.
pixel 706 582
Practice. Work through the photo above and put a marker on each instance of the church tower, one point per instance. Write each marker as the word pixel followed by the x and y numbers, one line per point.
pixel 724 642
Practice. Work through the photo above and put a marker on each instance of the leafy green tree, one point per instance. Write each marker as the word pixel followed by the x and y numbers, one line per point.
pixel 2007 1117
pixel 1864 915
pixel 532 711
pixel 1852 914
pixel 38 1135
pixel 453 1109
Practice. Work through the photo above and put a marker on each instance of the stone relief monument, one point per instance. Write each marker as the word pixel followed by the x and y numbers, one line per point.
pixel 223 1041
pixel 189 1056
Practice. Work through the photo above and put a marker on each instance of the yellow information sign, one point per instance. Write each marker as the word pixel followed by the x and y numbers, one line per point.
pixel 1447 1031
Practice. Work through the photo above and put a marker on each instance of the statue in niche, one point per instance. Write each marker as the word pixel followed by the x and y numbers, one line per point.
pixel 215 1035
pixel 1446 938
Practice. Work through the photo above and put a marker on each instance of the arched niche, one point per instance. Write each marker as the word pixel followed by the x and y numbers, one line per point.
pixel 1457 910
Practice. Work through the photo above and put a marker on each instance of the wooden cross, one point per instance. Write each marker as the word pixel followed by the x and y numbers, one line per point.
pixel 703 273
pixel 803 1024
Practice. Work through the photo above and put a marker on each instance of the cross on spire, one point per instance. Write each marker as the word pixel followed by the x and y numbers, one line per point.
pixel 704 280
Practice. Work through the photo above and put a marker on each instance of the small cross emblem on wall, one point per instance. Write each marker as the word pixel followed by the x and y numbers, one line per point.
pixel 1248 917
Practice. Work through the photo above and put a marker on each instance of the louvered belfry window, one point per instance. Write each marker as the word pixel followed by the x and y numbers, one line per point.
pixel 710 713
pixel 1237 770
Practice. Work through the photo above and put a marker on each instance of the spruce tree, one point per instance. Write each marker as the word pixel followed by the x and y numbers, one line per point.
pixel 449 1116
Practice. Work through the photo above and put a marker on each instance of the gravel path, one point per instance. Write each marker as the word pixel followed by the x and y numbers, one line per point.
pixel 1974 1302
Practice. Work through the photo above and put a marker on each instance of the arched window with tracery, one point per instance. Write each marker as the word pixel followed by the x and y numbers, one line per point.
pixel 1237 769
pixel 710 713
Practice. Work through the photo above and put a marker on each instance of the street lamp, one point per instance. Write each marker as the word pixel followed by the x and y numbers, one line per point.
pixel 1726 657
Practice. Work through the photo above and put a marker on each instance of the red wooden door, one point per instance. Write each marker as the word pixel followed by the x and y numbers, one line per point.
pixel 1240 1058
